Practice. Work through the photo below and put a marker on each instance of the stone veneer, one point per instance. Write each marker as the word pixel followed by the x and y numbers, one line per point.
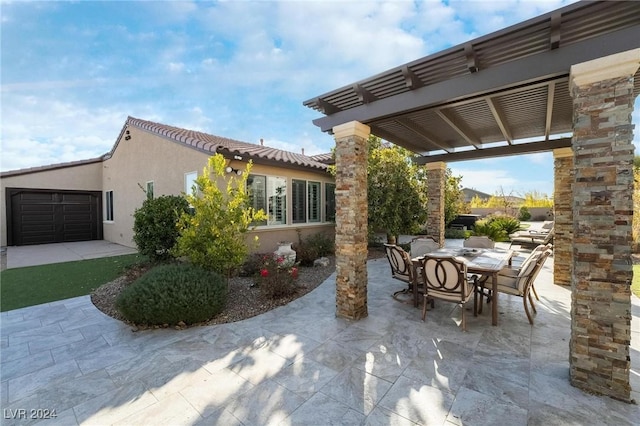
pixel 436 179
pixel 602 92
pixel 351 220
pixel 563 216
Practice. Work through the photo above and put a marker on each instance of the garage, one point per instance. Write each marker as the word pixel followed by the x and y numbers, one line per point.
pixel 42 216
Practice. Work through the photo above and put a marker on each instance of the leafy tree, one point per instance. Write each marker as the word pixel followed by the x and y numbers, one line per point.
pixel 155 225
pixel 453 197
pixel 397 190
pixel 213 236
pixel 537 199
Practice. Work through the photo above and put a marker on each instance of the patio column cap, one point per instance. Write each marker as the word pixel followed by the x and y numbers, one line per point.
pixel 436 165
pixel 606 68
pixel 562 152
pixel 352 128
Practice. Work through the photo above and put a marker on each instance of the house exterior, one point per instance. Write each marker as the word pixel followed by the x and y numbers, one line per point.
pixel 96 198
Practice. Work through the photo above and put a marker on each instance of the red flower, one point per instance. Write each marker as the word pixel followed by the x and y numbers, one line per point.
pixel 264 273
pixel 294 272
pixel 280 259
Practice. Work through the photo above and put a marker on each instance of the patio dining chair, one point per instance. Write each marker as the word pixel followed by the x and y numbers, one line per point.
pixel 520 283
pixel 423 244
pixel 401 269
pixel 446 278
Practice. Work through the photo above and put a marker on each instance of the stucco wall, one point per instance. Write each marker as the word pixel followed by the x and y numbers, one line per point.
pixel 148 157
pixel 85 177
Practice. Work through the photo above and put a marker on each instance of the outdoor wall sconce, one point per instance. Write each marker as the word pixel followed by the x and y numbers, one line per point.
pixel 230 169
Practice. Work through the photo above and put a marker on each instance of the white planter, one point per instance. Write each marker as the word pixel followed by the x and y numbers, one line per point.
pixel 285 250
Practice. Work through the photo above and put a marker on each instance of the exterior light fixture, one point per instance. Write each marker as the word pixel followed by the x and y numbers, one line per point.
pixel 230 169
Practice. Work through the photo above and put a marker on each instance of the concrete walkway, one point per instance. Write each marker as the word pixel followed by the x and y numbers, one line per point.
pixel 300 365
pixel 21 256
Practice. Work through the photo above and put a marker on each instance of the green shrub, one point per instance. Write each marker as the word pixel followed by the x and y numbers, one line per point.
pixel 322 243
pixel 506 223
pixel 277 277
pixel 524 214
pixel 313 247
pixel 490 229
pixel 456 234
pixel 171 293
pixel 213 237
pixel 155 225
pixel 306 254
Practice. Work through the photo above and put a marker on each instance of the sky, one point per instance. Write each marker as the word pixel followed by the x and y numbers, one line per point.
pixel 71 72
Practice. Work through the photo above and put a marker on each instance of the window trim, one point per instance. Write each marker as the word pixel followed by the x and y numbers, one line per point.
pixel 188 191
pixel 287 199
pixel 149 192
pixel 318 202
pixel 108 206
pixel 326 202
pixel 303 209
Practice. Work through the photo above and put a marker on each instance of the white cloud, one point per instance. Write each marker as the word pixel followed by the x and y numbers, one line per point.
pixel 43 130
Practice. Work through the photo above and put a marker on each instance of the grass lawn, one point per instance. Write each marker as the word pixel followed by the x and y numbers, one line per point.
pixel 635 284
pixel 34 285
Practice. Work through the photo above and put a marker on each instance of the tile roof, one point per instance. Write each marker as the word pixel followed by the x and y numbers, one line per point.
pixel 211 143
pixel 203 142
pixel 28 170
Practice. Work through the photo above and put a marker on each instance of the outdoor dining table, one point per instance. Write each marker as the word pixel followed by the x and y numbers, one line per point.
pixel 481 261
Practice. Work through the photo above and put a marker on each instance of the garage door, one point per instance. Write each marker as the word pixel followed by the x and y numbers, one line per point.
pixel 49 216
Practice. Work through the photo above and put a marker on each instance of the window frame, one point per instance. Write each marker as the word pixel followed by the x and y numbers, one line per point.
pixel 149 190
pixel 317 206
pixel 108 206
pixel 189 190
pixel 272 214
pixel 298 212
pixel 329 203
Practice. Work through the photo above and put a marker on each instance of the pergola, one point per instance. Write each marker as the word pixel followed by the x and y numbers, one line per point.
pixel 571 71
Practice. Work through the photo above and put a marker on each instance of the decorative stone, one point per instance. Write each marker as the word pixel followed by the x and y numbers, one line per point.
pixel 323 261
pixel 436 180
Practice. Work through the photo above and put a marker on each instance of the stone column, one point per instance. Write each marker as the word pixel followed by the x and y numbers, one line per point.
pixel 602 92
pixel 563 216
pixel 351 219
pixel 436 180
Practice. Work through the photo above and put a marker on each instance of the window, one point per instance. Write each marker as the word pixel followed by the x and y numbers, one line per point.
pixel 299 201
pixel 269 194
pixel 108 202
pixel 150 190
pixel 190 182
pixel 314 201
pixel 330 202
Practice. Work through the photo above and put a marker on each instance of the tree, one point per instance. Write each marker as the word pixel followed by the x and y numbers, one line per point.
pixel 396 189
pixel 213 236
pixel 453 197
pixel 155 225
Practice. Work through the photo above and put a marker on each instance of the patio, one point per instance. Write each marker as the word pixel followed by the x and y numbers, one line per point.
pixel 300 364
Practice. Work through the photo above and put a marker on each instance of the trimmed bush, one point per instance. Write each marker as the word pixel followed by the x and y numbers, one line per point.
pixel 456 234
pixel 313 247
pixel 155 225
pixel 173 293
pixel 524 214
pixel 321 243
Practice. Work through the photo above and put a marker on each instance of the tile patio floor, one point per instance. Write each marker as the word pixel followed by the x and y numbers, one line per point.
pixel 299 365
